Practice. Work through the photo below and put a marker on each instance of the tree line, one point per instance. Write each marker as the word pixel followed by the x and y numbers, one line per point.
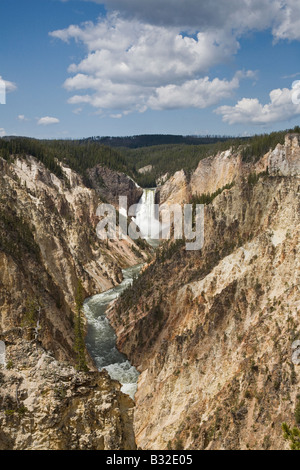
pixel 127 155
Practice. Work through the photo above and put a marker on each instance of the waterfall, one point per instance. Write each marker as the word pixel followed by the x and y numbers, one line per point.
pixel 101 338
pixel 146 218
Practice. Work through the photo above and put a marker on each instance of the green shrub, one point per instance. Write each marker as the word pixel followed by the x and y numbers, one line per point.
pixel 292 435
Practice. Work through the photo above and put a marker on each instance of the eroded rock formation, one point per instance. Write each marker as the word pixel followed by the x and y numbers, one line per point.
pixel 47 405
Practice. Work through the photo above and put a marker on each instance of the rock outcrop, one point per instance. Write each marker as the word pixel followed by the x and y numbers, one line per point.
pixel 285 159
pixel 175 190
pixel 216 172
pixel 47 405
pixel 110 185
pixel 212 173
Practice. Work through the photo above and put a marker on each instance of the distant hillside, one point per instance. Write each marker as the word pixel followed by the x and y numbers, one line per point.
pixel 138 141
pixel 165 153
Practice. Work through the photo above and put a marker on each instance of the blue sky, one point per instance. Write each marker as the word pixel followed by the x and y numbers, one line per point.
pixel 78 68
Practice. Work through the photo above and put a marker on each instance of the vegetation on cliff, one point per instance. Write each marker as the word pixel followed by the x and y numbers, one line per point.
pixel 79 343
pixel 166 154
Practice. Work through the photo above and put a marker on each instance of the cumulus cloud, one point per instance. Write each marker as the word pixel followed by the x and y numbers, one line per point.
pixel 193 93
pixel 284 105
pixel 283 16
pixel 287 24
pixel 130 65
pixel 158 54
pixel 2 132
pixel 46 121
pixel 200 15
pixel 131 52
pixel 200 93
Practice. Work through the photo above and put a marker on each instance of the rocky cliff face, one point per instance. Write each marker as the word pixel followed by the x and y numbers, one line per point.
pixel 110 185
pixel 211 174
pixel 47 405
pixel 212 332
pixel 216 172
pixel 285 159
pixel 47 243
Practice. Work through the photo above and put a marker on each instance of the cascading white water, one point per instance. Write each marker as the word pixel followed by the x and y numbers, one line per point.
pixel 101 338
pixel 146 218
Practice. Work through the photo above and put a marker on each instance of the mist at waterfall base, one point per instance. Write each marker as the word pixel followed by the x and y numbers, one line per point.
pixel 101 338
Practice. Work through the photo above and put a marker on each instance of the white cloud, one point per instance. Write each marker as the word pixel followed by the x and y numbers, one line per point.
pixel 130 52
pixel 77 110
pixel 116 116
pixel 283 16
pixel 22 118
pixel 194 93
pixel 45 121
pixel 138 58
pixel 200 15
pixel 130 64
pixel 200 93
pixel 287 24
pixel 2 132
pixel 284 105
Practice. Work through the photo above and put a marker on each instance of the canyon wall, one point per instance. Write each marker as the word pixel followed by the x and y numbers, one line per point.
pixel 212 331
pixel 211 174
pixel 47 243
pixel 110 184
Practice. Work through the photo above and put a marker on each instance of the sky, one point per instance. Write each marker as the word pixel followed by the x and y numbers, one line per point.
pixel 80 68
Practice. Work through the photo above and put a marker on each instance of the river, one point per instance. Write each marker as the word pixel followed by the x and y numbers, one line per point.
pixel 101 338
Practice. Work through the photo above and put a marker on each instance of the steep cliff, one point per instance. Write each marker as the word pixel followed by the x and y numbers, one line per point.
pixel 110 185
pixel 211 174
pixel 212 331
pixel 47 243
pixel 47 405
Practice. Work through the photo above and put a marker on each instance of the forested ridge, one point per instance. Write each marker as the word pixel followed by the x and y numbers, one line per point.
pixel 125 154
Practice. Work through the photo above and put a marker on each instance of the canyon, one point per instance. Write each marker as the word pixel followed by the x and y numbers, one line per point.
pixel 210 332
